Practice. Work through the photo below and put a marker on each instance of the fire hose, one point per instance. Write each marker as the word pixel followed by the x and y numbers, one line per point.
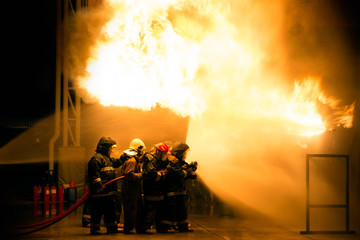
pixel 51 221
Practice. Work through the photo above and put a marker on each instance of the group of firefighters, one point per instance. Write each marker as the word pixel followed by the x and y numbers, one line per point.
pixel 152 187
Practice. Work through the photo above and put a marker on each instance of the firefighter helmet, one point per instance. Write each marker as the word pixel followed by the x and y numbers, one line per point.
pixel 137 144
pixel 104 144
pixel 162 147
pixel 180 150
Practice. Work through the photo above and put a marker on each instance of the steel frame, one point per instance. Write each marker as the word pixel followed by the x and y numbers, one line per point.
pixel 309 205
pixel 71 102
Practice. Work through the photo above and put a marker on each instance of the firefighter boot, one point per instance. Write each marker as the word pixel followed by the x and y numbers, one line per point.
pixel 184 228
pixel 112 228
pixel 85 221
pixel 165 228
pixel 95 230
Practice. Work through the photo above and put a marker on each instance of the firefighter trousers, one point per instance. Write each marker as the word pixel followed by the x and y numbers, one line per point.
pixel 134 216
pixel 175 212
pixel 154 213
pixel 103 206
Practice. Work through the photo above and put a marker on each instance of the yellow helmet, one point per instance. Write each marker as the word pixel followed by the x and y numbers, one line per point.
pixel 137 145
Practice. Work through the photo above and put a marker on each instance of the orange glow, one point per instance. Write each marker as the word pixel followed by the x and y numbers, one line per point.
pixel 226 64
pixel 187 56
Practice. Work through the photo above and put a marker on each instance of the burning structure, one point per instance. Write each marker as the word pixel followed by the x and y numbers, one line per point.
pixel 254 85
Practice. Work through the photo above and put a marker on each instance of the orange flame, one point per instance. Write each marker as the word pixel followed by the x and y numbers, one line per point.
pixel 141 60
pixel 185 56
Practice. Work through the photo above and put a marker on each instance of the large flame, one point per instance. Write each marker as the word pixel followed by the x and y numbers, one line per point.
pixel 185 55
pixel 141 61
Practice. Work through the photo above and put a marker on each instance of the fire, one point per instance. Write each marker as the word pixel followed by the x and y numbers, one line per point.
pixel 141 61
pixel 187 56
pixel 224 64
pixel 302 109
pixel 298 112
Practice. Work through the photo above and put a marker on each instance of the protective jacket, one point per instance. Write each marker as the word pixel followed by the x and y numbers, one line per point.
pixel 101 169
pixel 153 178
pixel 177 172
pixel 131 183
pixel 131 191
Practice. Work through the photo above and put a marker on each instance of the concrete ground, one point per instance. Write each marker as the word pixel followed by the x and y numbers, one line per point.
pixel 205 225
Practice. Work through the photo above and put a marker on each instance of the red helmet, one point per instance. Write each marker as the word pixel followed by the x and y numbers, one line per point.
pixel 162 147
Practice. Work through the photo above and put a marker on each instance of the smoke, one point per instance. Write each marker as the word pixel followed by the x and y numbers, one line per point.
pixel 81 35
pixel 121 124
pixel 249 158
pixel 125 124
pixel 240 160
pixel 319 42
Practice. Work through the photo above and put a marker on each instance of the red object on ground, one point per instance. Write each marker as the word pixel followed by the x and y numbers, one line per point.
pixel 37 210
pixel 51 221
pixel 53 193
pixel 53 209
pixel 46 211
pixel 46 194
pixel 36 193
pixel 61 193
pixel 40 189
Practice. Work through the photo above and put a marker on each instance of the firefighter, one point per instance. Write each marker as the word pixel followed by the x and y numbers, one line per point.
pixel 101 170
pixel 131 186
pixel 154 165
pixel 177 172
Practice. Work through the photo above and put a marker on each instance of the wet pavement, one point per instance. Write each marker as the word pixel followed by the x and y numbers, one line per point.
pixel 206 225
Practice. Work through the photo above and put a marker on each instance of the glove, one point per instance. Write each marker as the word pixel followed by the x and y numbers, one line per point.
pixel 191 174
pixel 139 175
pixel 193 165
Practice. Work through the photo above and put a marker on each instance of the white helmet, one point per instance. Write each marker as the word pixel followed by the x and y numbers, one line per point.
pixel 137 145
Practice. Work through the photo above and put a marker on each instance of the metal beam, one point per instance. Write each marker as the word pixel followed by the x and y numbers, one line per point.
pixel 57 86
